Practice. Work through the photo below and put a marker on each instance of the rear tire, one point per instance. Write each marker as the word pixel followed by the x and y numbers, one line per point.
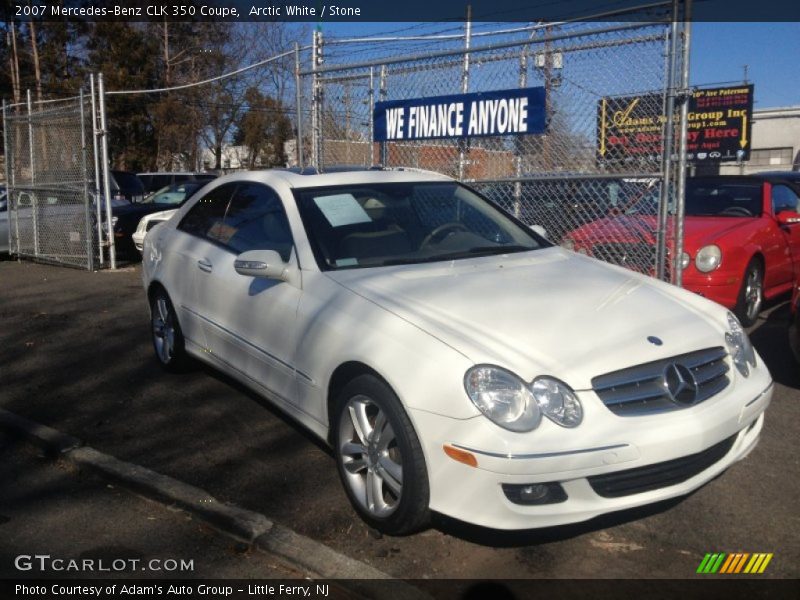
pixel 165 331
pixel 751 294
pixel 379 457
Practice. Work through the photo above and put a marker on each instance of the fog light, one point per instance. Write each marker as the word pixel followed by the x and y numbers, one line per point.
pixel 535 493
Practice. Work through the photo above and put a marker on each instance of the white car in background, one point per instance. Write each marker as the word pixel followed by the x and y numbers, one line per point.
pixel 147 223
pixel 455 360
pixel 172 195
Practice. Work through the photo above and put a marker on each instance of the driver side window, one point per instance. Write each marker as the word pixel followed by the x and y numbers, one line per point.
pixel 783 198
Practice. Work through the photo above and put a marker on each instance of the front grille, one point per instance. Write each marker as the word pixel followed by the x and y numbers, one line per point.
pixel 638 256
pixel 659 475
pixel 644 389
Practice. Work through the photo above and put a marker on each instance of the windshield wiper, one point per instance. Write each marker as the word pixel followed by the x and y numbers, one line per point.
pixel 477 250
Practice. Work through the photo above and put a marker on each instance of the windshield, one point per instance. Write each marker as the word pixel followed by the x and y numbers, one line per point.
pixel 174 194
pixel 371 225
pixel 127 182
pixel 723 199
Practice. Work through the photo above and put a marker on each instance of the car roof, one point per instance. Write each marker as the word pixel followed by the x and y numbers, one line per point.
pixel 296 179
pixel 781 174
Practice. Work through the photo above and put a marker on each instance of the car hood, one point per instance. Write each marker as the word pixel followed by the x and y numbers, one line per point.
pixel 162 215
pixel 132 210
pixel 698 231
pixel 548 312
pixel 701 231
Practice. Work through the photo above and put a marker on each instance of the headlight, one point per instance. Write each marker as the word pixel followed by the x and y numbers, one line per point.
pixel 514 405
pixel 557 401
pixel 708 258
pixel 740 347
pixel 503 397
pixel 685 260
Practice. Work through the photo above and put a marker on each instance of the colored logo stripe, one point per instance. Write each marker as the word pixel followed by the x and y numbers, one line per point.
pixel 737 562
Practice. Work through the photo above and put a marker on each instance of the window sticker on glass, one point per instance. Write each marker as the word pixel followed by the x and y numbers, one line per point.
pixel 346 262
pixel 341 209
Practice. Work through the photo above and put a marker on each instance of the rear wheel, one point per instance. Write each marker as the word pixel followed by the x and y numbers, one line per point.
pixel 166 331
pixel 379 457
pixel 751 294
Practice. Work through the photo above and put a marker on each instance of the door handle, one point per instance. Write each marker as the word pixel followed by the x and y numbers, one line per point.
pixel 204 265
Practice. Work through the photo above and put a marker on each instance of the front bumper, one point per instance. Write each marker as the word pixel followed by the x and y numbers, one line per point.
pixel 475 495
pixel 725 293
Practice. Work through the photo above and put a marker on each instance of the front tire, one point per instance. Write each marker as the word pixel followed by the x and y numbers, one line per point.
pixel 166 333
pixel 751 294
pixel 379 457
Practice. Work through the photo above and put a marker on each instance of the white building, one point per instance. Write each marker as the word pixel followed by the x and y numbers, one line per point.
pixel 775 145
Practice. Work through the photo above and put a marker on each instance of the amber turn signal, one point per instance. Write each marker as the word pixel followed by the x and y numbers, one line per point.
pixel 461 456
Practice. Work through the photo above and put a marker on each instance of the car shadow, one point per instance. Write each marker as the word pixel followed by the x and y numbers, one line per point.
pixel 496 538
pixel 770 336
pixel 264 403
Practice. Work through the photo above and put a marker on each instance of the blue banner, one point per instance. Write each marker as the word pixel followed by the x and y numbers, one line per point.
pixel 520 111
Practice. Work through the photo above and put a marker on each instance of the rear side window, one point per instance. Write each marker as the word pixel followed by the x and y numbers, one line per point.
pixel 205 219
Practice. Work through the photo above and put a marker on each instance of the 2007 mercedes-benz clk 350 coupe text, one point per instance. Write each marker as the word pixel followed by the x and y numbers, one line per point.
pixel 455 360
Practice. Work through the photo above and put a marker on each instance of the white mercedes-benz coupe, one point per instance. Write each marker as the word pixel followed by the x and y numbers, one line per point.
pixel 454 359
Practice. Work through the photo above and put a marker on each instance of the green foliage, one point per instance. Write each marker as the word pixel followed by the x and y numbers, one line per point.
pixel 263 128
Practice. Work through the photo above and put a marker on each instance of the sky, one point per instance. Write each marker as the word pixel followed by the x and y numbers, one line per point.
pixel 719 53
pixel 771 51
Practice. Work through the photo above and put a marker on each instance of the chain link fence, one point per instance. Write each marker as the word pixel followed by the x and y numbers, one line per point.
pixel 590 192
pixel 599 199
pixel 50 180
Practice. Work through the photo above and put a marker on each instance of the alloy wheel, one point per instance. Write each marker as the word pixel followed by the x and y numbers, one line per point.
pixel 370 456
pixel 163 330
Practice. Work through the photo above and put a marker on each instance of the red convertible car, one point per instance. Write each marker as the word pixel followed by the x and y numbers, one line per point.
pixel 741 240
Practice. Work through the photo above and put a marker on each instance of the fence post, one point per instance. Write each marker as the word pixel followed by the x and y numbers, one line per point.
pixel 316 117
pixel 86 208
pixel 95 133
pixel 383 94
pixel 523 82
pixel 9 204
pixel 371 115
pixel 667 148
pixel 680 196
pixel 298 104
pixel 112 253
pixel 34 196
pixel 462 142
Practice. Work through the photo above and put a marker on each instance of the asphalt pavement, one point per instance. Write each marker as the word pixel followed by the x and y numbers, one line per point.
pixel 59 522
pixel 75 354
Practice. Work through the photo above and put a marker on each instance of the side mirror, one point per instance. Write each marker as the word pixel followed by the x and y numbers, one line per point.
pixel 261 263
pixel 788 217
pixel 540 230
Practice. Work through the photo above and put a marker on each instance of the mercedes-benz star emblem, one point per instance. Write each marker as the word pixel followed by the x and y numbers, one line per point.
pixel 679 383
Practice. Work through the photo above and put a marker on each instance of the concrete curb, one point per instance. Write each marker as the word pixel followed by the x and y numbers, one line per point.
pixel 244 525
